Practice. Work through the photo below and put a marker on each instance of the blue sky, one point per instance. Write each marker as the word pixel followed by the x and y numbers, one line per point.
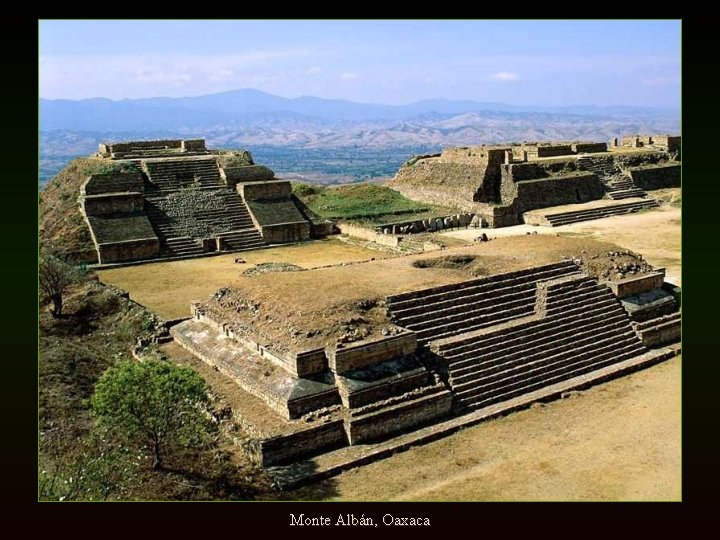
pixel 517 62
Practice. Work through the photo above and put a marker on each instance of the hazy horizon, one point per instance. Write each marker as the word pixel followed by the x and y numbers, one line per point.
pixel 524 63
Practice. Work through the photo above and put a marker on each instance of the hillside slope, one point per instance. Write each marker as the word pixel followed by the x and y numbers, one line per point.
pixel 62 226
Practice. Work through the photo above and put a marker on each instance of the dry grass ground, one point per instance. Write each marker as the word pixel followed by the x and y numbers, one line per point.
pixel 168 287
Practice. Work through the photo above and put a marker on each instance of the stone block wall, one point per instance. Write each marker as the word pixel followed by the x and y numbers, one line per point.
pixel 130 250
pixel 366 354
pixel 281 233
pixel 248 173
pixel 395 385
pixel 393 420
pixel 116 203
pixel 321 229
pixel 310 362
pixel 368 234
pixel 132 146
pixel 193 145
pixel 589 147
pixel 122 182
pixel 572 188
pixel 623 288
pixel 310 441
pixel 280 189
pixel 540 151
pixel 662 175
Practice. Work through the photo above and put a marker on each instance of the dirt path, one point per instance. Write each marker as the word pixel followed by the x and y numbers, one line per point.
pixel 617 441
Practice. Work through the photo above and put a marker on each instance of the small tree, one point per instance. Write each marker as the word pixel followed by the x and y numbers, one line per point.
pixel 55 277
pixel 154 405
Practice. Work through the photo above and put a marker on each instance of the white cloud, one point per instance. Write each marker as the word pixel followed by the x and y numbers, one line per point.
pixel 349 76
pixel 314 70
pixel 504 76
pixel 154 74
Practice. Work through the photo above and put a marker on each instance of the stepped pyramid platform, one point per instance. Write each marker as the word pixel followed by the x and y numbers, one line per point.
pixel 174 200
pixel 379 372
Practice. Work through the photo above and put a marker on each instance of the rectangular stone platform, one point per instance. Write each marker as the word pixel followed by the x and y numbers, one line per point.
pixel 337 461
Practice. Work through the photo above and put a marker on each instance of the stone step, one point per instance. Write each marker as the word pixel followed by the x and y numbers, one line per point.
pixel 672 317
pixel 497 367
pixel 451 328
pixel 370 408
pixel 618 196
pixel 542 343
pixel 400 304
pixel 547 379
pixel 569 362
pixel 489 308
pixel 585 215
pixel 471 302
pixel 564 315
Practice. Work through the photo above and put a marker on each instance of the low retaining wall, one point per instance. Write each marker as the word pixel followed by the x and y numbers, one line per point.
pixel 358 356
pixel 303 443
pixel 665 175
pixel 116 203
pixel 401 417
pixel 128 251
pixel 276 189
pixel 113 183
pixel 367 234
pixel 623 288
pixel 249 173
pixel 280 233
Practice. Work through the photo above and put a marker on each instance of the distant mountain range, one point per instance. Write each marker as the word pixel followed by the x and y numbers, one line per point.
pixel 247 107
pixel 296 132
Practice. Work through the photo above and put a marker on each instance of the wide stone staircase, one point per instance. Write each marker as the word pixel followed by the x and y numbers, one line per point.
pixel 623 188
pixel 619 185
pixel 603 166
pixel 574 216
pixel 441 312
pixel 231 221
pixel 579 327
pixel 168 175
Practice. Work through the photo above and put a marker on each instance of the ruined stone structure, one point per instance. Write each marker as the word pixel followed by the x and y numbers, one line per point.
pixel 171 198
pixel 404 360
pixel 500 183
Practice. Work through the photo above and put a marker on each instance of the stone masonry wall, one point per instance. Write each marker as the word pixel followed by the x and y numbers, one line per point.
pixel 128 251
pixel 589 147
pixel 623 288
pixel 118 203
pixel 248 173
pixel 390 421
pixel 123 182
pixel 289 447
pixel 265 190
pixel 569 189
pixel 281 233
pixel 366 354
pixel 665 175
